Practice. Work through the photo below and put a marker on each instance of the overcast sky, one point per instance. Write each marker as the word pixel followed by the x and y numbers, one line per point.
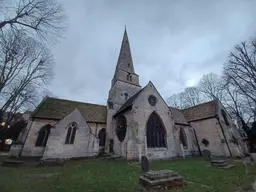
pixel 173 43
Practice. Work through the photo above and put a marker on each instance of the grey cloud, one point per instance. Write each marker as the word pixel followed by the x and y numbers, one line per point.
pixel 173 43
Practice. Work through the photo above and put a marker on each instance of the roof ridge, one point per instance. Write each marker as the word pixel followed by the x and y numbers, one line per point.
pixel 74 101
pixel 214 100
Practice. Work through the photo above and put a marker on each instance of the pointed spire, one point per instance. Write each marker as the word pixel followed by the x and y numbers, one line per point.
pixel 124 61
pixel 124 67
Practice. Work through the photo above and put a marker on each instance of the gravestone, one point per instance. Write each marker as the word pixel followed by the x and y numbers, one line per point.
pixel 207 154
pixel 144 164
pixel 160 180
pixel 253 158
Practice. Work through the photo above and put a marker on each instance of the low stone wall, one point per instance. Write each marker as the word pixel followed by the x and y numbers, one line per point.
pixel 15 150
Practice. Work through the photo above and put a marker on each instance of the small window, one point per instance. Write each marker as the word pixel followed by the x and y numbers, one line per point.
pixel 130 78
pixel 128 64
pixel 70 138
pixel 152 100
pixel 126 96
pixel 205 142
pixel 224 115
pixel 110 105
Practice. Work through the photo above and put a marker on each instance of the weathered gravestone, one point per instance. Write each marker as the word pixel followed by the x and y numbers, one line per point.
pixel 159 180
pixel 144 164
pixel 253 158
pixel 207 154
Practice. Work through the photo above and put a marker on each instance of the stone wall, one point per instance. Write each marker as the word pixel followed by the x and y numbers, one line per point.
pixel 140 114
pixel 117 96
pixel 34 127
pixel 192 148
pixel 15 150
pixel 85 144
pixel 229 130
pixel 210 130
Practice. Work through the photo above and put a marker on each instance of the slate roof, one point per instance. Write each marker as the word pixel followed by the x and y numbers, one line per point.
pixel 129 102
pixel 178 116
pixel 54 108
pixel 201 111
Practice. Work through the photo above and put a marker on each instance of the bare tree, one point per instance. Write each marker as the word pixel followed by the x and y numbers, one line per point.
pixel 191 96
pixel 177 100
pixel 42 17
pixel 26 66
pixel 240 70
pixel 211 87
pixel 187 98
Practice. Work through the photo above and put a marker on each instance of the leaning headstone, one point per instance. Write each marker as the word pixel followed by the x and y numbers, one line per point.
pixel 144 164
pixel 207 154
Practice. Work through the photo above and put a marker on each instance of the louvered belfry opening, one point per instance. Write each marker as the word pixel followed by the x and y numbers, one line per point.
pixel 156 134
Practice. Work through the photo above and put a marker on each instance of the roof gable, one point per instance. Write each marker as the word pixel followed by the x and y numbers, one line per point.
pixel 129 102
pixel 178 116
pixel 54 108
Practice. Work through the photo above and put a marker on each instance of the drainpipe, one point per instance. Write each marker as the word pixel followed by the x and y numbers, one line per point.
pixel 194 131
pixel 222 130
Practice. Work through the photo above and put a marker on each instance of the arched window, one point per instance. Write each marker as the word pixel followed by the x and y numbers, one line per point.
pixel 43 136
pixel 70 138
pixel 183 138
pixel 102 137
pixel 128 64
pixel 126 96
pixel 130 78
pixel 224 115
pixel 155 132
pixel 121 127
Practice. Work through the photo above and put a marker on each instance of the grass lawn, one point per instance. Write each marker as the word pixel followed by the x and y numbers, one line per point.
pixel 118 175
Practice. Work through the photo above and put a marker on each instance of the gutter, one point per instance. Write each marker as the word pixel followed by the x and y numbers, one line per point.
pixel 224 135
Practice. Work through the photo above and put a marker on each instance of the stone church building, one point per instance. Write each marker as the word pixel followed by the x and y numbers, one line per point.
pixel 136 121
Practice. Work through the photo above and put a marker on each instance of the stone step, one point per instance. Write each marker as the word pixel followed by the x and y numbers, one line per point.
pixel 12 163
pixel 219 163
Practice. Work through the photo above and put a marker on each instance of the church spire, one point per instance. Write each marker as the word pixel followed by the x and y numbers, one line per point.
pixel 124 63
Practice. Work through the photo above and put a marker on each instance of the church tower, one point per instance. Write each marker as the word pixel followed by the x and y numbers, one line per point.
pixel 124 85
pixel 125 82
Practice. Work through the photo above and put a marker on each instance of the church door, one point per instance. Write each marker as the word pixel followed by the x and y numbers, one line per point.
pixel 102 140
pixel 111 146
